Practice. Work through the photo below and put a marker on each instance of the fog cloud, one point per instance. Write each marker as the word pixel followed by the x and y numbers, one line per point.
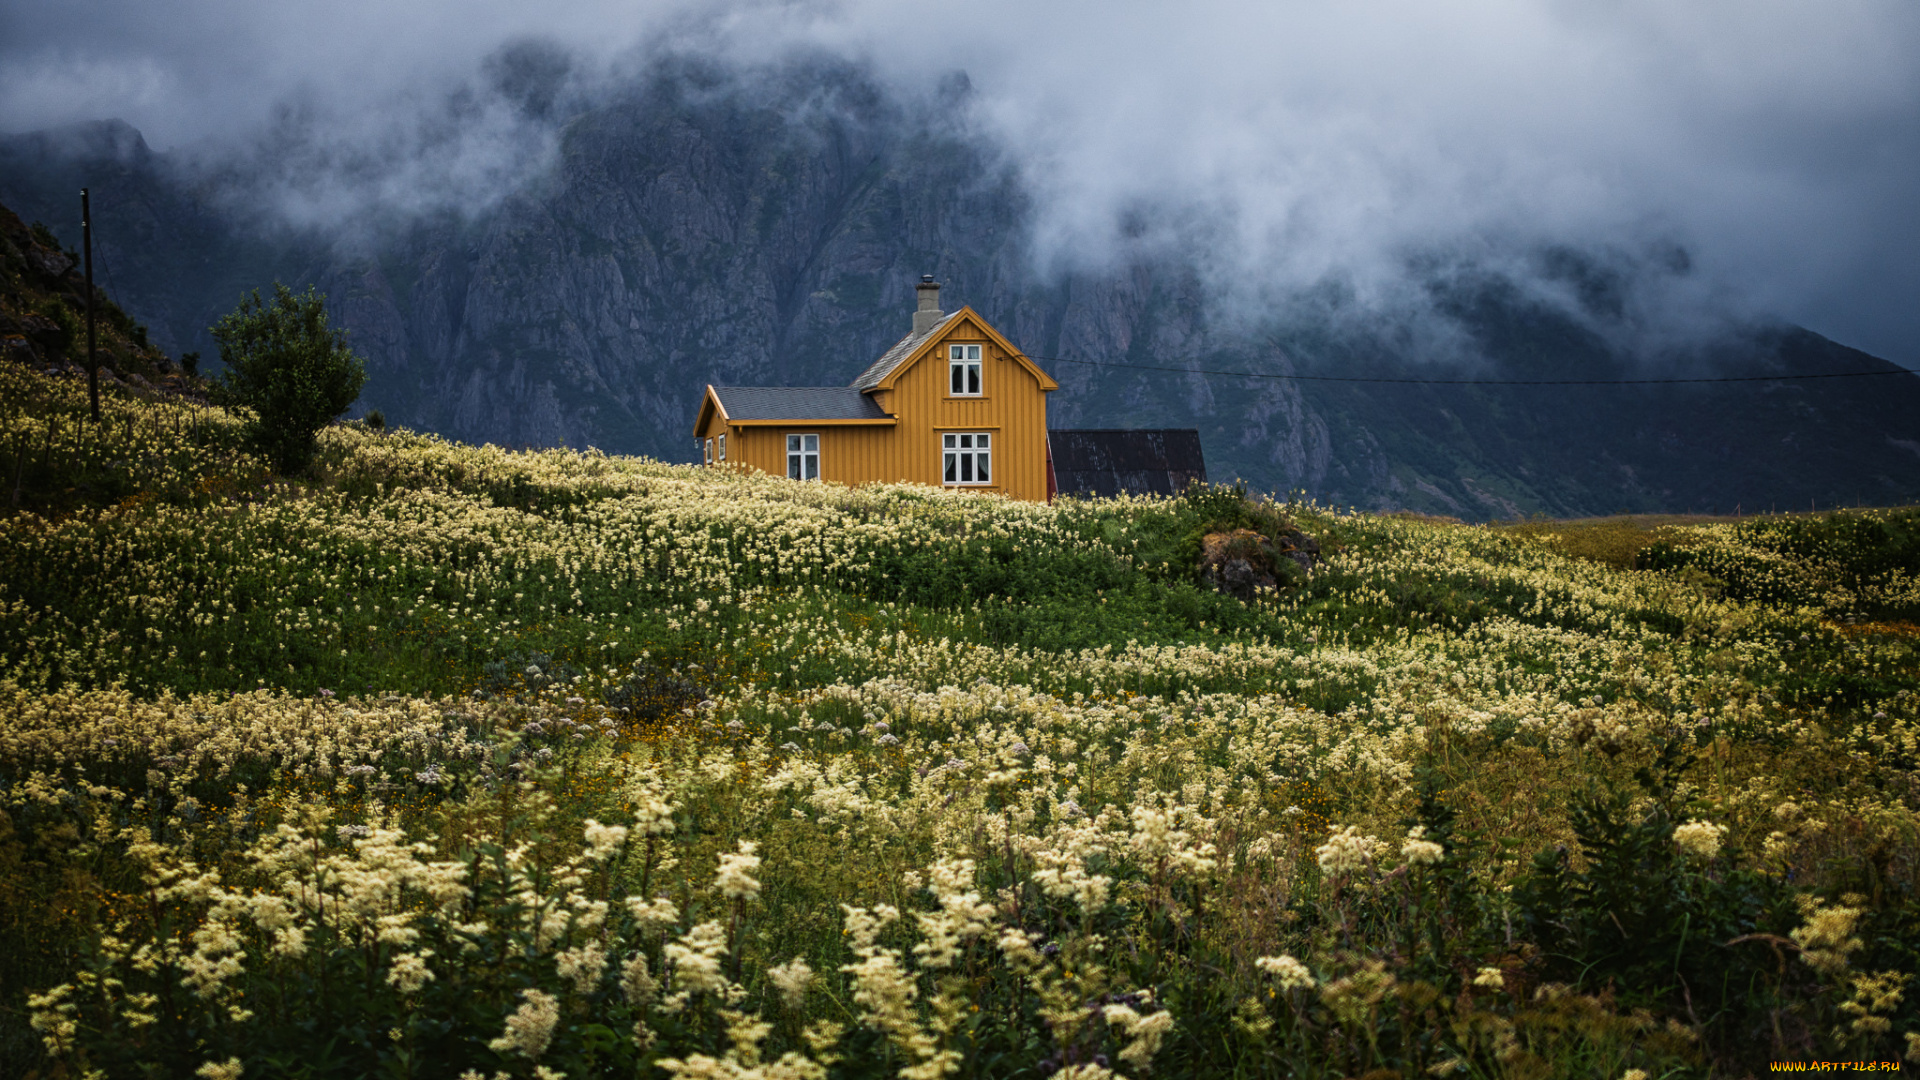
pixel 1776 143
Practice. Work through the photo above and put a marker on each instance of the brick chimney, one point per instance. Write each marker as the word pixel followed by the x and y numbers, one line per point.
pixel 929 314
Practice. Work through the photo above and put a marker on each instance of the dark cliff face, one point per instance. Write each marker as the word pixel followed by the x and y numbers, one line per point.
pixel 688 234
pixel 694 232
pixel 709 226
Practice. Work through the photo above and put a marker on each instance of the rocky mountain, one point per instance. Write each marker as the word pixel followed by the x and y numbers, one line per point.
pixel 704 226
pixel 43 303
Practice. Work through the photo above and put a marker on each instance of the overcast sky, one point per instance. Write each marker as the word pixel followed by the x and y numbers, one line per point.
pixel 1778 142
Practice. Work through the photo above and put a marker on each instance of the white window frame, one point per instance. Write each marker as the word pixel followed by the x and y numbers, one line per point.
pixel 803 449
pixel 720 447
pixel 964 374
pixel 708 460
pixel 966 458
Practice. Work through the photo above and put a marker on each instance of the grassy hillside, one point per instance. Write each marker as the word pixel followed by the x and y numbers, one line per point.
pixel 43 305
pixel 532 764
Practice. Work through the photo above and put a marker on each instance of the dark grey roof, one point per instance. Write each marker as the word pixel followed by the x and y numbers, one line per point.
pixel 891 359
pixel 1139 461
pixel 797 403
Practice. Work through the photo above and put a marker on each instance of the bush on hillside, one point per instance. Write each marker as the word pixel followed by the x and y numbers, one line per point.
pixel 293 370
pixel 1864 564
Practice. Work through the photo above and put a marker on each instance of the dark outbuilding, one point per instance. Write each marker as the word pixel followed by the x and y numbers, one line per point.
pixel 1136 461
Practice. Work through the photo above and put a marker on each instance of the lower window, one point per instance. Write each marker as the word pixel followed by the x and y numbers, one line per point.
pixel 966 457
pixel 803 457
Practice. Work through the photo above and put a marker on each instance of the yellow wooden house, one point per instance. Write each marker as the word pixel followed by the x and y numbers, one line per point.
pixel 952 404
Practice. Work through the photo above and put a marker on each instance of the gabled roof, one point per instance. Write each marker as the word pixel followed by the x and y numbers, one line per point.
pixel 910 348
pixel 845 404
pixel 1142 461
pixel 897 355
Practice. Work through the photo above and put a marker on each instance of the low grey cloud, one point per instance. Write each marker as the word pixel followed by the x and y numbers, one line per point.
pixel 1293 144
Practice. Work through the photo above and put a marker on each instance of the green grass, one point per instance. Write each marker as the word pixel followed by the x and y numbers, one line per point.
pixel 1662 758
pixel 1612 541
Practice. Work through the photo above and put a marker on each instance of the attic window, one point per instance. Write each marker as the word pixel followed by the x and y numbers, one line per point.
pixel 963 370
pixel 966 458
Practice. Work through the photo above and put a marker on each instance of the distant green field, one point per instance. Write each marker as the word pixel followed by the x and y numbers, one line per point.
pixel 1615 541
pixel 451 761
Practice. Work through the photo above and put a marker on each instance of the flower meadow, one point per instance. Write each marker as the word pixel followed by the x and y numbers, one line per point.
pixel 449 761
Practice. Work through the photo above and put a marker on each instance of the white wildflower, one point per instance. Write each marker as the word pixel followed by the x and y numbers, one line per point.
pixel 792 979
pixel 1145 1033
pixel 530 1028
pixel 410 971
pixel 652 815
pixel 1158 838
pixel 1874 996
pixel 962 917
pixel 735 880
pixel 604 841
pixel 695 958
pixel 1699 840
pixel 885 991
pixel 653 915
pixel 1346 852
pixel 1019 952
pixel 1419 851
pixel 1777 848
pixel 1827 937
pixel 582 966
pixel 636 985
pixel 1291 974
pixel 52 1017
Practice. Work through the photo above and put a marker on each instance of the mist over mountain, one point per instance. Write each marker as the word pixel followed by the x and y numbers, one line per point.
pixel 539 261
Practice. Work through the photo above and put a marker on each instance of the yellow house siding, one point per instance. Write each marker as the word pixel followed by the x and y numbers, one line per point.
pixel 860 455
pixel 1012 408
pixel 848 454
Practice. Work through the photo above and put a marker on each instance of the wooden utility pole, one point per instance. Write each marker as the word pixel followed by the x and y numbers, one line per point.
pixel 93 360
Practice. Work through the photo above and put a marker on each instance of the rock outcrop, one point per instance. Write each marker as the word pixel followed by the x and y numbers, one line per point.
pixel 708 225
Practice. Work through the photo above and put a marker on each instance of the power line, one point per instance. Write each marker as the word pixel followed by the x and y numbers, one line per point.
pixel 1473 382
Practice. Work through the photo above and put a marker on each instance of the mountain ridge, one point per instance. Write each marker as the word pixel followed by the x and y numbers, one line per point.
pixel 696 230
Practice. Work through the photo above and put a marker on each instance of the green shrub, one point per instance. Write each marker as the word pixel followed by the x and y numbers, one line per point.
pixel 1681 931
pixel 1860 563
pixel 67 329
pixel 286 364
